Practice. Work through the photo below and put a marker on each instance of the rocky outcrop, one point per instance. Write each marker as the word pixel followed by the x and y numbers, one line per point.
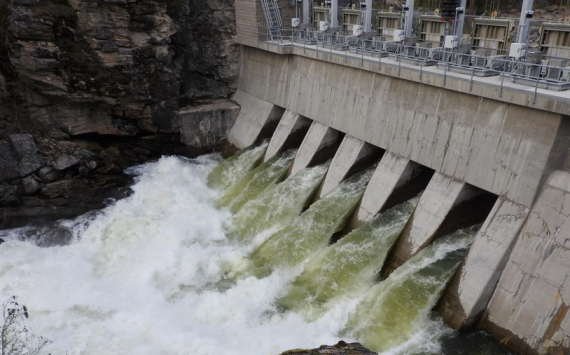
pixel 341 348
pixel 90 87
pixel 67 178
pixel 113 67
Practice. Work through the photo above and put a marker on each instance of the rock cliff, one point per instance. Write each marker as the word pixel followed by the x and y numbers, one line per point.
pixel 89 87
pixel 113 67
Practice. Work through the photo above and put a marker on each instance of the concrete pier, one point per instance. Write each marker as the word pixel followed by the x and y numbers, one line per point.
pixel 391 173
pixel 319 145
pixel 291 130
pixel 529 309
pixel 349 155
pixel 255 114
pixel 468 294
pixel 440 196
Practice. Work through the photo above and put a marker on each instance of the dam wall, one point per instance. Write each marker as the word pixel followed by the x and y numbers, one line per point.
pixel 460 148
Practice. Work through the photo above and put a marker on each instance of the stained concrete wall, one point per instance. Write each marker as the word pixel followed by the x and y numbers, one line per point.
pixel 501 148
pixel 319 139
pixel 468 294
pixel 255 114
pixel 436 202
pixel 391 173
pixel 350 153
pixel 529 309
pixel 292 128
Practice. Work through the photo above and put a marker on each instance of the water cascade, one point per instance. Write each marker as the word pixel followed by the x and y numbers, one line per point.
pixel 235 167
pixel 136 277
pixel 349 266
pixel 312 230
pixel 392 311
pixel 277 206
pixel 256 181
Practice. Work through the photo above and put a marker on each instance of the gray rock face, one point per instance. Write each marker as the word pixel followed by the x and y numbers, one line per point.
pixel 49 174
pixel 23 144
pixel 114 67
pixel 30 163
pixel 10 195
pixel 65 162
pixel 9 163
pixel 30 185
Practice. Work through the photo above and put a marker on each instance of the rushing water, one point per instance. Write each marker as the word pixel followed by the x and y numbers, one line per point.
pixel 141 276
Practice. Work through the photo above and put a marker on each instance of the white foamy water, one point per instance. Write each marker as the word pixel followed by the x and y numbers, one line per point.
pixel 136 279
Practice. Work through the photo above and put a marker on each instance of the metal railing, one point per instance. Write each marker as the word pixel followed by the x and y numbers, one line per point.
pixel 373 50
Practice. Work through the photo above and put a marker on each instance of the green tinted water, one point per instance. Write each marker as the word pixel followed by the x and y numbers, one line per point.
pixel 312 230
pixel 277 206
pixel 235 167
pixel 349 266
pixel 393 310
pixel 252 184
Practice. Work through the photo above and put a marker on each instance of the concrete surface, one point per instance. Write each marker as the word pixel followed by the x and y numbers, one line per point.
pixel 351 152
pixel 529 309
pixel 207 125
pixel 391 173
pixel 501 148
pixel 291 124
pixel 468 294
pixel 440 196
pixel 253 116
pixel 318 138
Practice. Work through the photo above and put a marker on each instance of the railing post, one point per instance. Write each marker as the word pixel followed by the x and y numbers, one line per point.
pixel 471 84
pixel 445 75
pixel 502 79
pixel 535 90
pixel 421 71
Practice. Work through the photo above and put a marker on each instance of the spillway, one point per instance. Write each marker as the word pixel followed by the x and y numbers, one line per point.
pixel 140 275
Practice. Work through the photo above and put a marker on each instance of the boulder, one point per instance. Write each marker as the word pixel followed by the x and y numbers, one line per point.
pixel 49 174
pixel 9 163
pixel 30 184
pixel 30 163
pixel 341 348
pixel 65 162
pixel 10 195
pixel 23 144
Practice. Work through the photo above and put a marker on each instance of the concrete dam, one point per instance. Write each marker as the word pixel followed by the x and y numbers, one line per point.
pixel 481 152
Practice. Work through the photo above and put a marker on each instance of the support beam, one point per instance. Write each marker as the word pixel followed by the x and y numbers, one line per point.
pixel 289 133
pixel 392 172
pixel 350 153
pixel 440 196
pixel 306 13
pixel 469 292
pixel 254 116
pixel 319 144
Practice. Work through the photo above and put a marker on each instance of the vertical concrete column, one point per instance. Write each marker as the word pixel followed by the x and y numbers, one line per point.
pixel 439 197
pixel 409 18
pixel 306 13
pixel 368 17
pixel 291 127
pixel 254 115
pixel 469 292
pixel 350 152
pixel 334 15
pixel 392 172
pixel 530 305
pixel 318 138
